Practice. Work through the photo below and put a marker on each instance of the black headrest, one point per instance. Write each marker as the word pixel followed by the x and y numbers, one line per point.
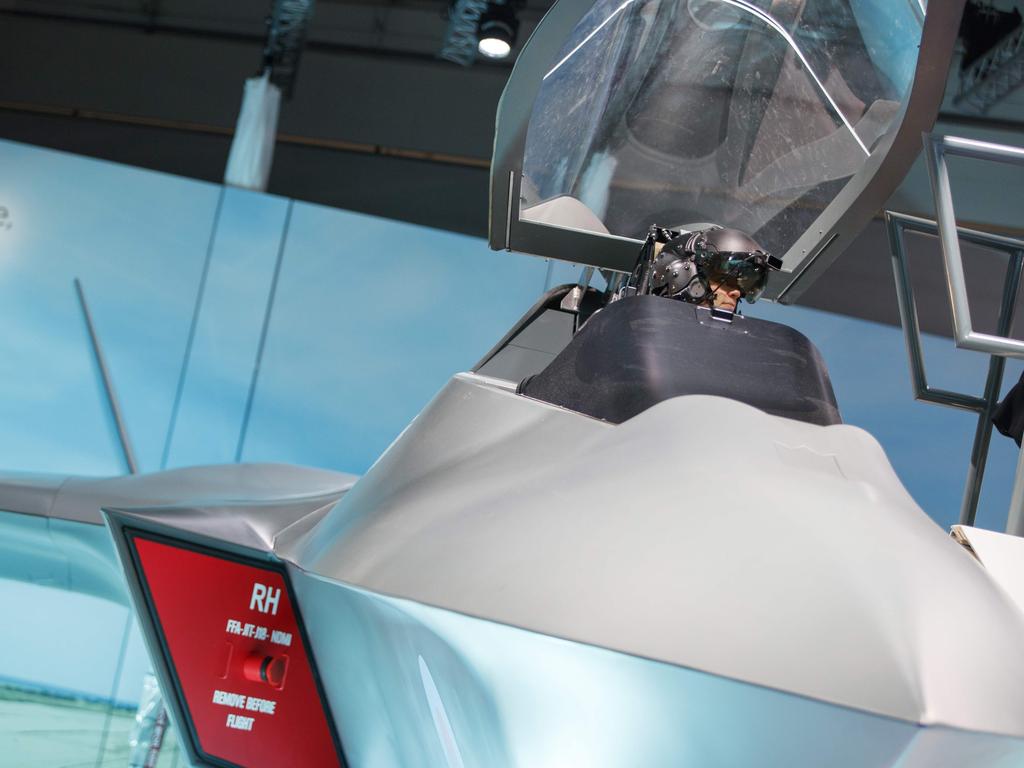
pixel 639 351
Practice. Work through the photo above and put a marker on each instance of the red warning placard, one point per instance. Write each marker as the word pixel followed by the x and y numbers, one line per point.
pixel 232 636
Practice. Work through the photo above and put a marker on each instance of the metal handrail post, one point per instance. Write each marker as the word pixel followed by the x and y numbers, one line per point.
pixel 897 224
pixel 993 385
pixel 907 305
pixel 936 149
pixel 1015 518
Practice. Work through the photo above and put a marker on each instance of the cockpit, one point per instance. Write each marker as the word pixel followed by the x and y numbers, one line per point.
pixel 783 119
pixel 768 118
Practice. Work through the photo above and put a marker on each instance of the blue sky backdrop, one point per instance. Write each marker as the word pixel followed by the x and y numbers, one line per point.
pixel 368 319
pixel 353 323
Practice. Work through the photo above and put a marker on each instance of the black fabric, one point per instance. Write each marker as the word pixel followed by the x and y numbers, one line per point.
pixel 639 351
pixel 1009 414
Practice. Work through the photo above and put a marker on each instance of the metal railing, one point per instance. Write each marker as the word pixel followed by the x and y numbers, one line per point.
pixel 998 346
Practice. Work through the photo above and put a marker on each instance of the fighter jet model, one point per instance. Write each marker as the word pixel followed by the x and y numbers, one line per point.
pixel 637 533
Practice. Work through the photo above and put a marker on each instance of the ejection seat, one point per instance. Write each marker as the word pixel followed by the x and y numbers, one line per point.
pixel 639 351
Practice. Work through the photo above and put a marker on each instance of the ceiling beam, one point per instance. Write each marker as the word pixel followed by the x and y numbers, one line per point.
pixel 145 25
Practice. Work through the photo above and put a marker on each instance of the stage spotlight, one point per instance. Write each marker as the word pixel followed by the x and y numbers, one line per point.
pixel 496 31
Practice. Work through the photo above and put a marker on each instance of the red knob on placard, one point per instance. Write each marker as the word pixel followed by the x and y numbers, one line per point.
pixel 264 668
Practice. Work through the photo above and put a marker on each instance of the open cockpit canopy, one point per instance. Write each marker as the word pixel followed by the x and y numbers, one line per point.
pixel 774 117
pixel 749 114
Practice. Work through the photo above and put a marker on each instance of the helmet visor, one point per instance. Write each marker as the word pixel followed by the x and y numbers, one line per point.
pixel 747 272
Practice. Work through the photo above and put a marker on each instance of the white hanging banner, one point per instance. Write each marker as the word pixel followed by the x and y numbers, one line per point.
pixel 252 150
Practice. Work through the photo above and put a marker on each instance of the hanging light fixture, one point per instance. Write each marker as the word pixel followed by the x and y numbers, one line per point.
pixel 496 30
pixel 252 148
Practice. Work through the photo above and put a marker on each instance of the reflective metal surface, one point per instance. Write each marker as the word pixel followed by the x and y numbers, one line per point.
pixel 415 686
pixel 984 406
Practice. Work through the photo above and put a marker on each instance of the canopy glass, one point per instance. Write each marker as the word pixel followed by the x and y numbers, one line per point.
pixel 750 114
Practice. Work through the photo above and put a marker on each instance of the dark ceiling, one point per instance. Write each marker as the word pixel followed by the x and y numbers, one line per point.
pixel 378 123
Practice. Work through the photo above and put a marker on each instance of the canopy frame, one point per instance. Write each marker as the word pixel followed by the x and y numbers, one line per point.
pixel 813 252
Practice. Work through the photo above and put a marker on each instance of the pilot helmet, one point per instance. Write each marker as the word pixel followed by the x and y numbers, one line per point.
pixel 689 263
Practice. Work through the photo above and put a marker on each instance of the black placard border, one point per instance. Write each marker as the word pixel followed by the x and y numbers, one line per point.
pixel 267 565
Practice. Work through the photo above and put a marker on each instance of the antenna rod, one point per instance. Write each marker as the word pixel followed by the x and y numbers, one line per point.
pixel 108 384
